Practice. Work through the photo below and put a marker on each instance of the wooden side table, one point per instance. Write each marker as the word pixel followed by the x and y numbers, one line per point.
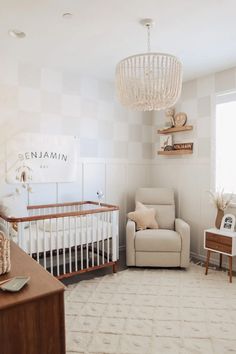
pixel 222 242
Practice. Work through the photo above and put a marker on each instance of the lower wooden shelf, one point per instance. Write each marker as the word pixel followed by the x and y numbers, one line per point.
pixel 175 152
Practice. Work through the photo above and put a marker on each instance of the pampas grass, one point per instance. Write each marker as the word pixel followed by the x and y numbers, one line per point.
pixel 220 201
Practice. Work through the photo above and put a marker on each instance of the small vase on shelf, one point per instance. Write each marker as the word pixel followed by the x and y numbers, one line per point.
pixel 219 217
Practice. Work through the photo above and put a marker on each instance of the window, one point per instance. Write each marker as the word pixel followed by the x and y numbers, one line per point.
pixel 225 143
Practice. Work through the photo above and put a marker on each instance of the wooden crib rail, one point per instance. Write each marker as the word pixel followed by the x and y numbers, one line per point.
pixel 101 209
pixel 44 206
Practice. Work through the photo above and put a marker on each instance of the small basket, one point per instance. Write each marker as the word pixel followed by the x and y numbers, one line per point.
pixel 5 262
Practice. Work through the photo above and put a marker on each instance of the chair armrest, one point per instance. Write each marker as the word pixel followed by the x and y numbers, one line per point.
pixel 184 230
pixel 130 248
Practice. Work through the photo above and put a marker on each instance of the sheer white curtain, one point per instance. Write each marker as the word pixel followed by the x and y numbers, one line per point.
pixel 225 142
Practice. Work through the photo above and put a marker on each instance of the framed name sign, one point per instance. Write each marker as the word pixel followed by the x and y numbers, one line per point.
pixel 183 146
pixel 37 158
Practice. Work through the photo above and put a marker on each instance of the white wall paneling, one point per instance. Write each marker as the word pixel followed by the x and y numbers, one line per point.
pixel 94 179
pixel 43 194
pixel 71 192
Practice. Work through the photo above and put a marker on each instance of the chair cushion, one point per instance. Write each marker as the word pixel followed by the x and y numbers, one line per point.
pixel 155 196
pixel 165 215
pixel 157 241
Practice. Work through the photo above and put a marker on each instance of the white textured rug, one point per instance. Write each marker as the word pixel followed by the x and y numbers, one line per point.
pixel 152 311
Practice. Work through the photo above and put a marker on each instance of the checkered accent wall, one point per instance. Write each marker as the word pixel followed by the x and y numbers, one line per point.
pixel 197 100
pixel 48 101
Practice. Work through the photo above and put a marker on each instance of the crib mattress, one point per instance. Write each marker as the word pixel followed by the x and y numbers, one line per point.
pixel 40 238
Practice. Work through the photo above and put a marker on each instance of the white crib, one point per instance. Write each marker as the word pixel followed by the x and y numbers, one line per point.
pixel 68 238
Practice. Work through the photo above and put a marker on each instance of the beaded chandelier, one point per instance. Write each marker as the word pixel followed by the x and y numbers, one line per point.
pixel 149 81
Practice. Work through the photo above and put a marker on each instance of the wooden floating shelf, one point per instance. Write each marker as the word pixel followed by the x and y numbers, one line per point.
pixel 175 152
pixel 175 129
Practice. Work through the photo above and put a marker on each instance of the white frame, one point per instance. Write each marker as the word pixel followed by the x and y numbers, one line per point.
pixel 224 223
pixel 164 139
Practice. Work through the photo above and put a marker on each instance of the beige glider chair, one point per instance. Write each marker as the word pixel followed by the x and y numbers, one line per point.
pixel 168 246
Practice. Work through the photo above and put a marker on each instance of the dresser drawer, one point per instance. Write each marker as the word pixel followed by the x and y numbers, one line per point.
pixel 224 240
pixel 218 246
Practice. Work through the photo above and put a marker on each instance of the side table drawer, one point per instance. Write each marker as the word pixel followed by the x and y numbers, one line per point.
pixel 219 239
pixel 218 246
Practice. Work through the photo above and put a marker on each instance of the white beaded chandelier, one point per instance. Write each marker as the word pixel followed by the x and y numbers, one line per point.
pixel 149 81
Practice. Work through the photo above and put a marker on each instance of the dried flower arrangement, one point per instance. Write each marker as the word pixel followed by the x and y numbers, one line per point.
pixel 219 199
pixel 221 203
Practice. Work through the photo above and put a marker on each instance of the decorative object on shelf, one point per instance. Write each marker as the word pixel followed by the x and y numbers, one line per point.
pixel 166 142
pixel 228 222
pixel 168 148
pixel 221 203
pixel 180 119
pixel 170 113
pixel 100 196
pixel 5 262
pixel 149 81
pixel 183 146
pixel 174 149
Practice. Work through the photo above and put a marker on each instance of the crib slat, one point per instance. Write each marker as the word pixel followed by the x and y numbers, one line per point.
pixel 92 237
pixel 87 255
pixel 81 243
pixel 117 234
pixel 76 243
pixel 57 237
pixel 37 240
pixel 98 225
pixel 30 239
pixel 63 241
pixel 51 253
pixel 103 216
pixel 114 235
pixel 108 235
pixel 70 268
pixel 44 246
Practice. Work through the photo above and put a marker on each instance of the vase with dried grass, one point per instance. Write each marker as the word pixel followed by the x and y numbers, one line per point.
pixel 221 202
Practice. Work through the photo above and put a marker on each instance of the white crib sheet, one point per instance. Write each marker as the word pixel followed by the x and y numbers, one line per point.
pixel 37 238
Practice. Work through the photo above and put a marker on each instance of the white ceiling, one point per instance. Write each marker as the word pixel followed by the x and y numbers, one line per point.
pixel 202 33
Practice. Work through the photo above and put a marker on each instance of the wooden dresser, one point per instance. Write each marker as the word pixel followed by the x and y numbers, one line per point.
pixel 32 320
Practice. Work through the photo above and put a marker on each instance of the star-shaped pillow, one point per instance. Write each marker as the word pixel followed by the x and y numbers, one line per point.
pixel 143 217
